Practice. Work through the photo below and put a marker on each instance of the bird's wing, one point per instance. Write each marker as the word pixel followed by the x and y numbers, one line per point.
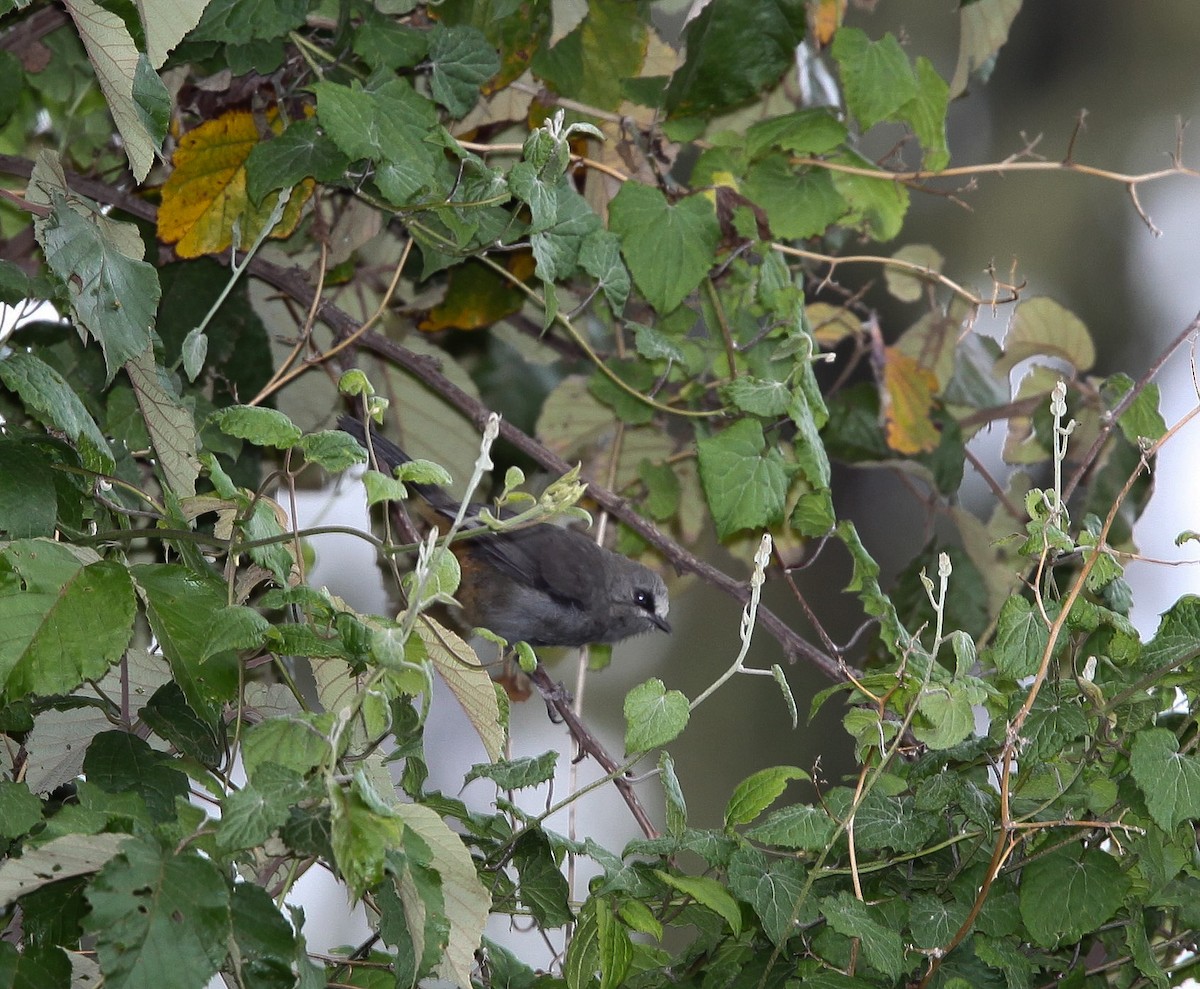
pixel 561 563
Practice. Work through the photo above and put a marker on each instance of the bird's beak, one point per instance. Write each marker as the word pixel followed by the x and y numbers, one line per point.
pixel 661 623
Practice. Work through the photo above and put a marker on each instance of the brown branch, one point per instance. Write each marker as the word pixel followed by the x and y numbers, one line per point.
pixel 560 700
pixel 32 29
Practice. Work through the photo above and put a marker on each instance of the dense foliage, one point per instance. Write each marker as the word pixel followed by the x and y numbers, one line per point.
pixel 251 212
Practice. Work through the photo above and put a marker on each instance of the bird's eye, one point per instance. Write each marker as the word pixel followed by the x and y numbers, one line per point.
pixel 643 599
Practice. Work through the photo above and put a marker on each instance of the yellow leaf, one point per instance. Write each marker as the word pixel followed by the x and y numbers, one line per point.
pixel 476 297
pixel 824 18
pixel 206 192
pixel 831 324
pixel 908 391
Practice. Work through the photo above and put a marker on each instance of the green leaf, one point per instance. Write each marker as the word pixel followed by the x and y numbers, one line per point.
pixel 614 947
pixel 811 456
pixel 756 793
pixel 113 296
pixel 160 916
pixel 361 835
pixel 543 887
pixel 945 713
pixel 735 49
pixel 813 514
pixel 876 205
pixel 169 716
pixel 118 762
pixel 926 113
pixel 799 203
pixel 250 815
pixel 262 427
pixel 385 44
pixel 535 191
pixel 708 893
pixel 557 248
pixel 38 966
pixel 1021 639
pixel 1170 781
pixel 600 257
pixel 1052 724
pixel 380 487
pixel 800 826
pixel 880 942
pixel 412 913
pixel 934 921
pixel 387 124
pixel 676 805
pixel 46 393
pixel 759 396
pixel 1070 892
pixel 266 946
pixel 467 900
pixel 462 62
pixel 883 821
pixel 15 285
pixel 669 248
pixel 630 409
pixel 583 952
pixel 516 774
pixel 876 75
pixel 235 627
pixel 653 344
pixel 1142 420
pixel 663 490
pixel 964 652
pixel 275 556
pixel 28 499
pixel 300 152
pixel 774 891
pixel 653 716
pixel 805 132
pixel 1178 637
pixel 1144 958
pixel 20 810
pixel 66 616
pixel 181 605
pixel 744 481
pixel 298 743
pixel 239 21
pixel 593 61
pixel 152 102
pixel 865 583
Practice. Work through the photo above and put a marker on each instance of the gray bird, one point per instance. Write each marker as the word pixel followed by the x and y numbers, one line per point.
pixel 546 585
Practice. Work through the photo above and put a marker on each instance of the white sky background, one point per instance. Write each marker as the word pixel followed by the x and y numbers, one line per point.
pixel 1164 273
